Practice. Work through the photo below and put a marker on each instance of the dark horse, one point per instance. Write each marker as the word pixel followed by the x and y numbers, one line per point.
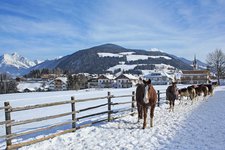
pixel 146 96
pixel 171 95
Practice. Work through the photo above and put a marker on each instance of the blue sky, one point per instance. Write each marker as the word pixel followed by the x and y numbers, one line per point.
pixel 46 29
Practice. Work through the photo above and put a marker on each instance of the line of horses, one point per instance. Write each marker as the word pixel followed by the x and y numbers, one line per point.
pixel 192 92
pixel 146 97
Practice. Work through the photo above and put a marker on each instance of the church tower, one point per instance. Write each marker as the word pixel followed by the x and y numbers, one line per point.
pixel 195 63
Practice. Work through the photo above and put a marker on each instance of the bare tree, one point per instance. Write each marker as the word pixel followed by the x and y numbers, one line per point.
pixel 7 84
pixel 216 62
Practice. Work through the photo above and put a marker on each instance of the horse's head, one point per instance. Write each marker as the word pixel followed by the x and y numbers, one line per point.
pixel 147 85
pixel 174 85
pixel 147 82
pixel 174 89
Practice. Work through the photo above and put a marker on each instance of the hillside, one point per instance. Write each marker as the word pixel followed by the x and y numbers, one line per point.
pixel 100 59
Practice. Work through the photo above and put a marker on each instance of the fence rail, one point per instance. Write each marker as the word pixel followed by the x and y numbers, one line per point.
pixel 9 123
pixel 110 114
pixel 3 108
pixel 38 119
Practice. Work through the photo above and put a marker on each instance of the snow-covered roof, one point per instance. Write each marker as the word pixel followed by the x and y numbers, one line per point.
pixel 158 74
pixel 63 79
pixel 30 89
pixel 130 76
pixel 28 85
pixel 107 76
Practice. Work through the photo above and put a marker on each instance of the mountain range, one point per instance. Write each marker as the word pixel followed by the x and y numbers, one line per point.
pixel 15 64
pixel 98 59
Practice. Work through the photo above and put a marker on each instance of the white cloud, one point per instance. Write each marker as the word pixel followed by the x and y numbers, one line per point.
pixel 178 27
pixel 11 24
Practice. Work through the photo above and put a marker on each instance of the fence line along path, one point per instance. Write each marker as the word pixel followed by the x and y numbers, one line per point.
pixel 109 113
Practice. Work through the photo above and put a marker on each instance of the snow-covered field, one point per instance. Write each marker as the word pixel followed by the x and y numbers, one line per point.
pixel 197 126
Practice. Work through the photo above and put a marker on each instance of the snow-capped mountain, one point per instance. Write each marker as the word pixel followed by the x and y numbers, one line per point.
pixel 114 58
pixel 38 61
pixel 100 59
pixel 15 64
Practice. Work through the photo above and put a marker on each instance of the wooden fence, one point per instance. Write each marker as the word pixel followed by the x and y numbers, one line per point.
pixel 9 123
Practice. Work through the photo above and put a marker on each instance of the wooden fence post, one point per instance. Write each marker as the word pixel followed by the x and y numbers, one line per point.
pixel 132 104
pixel 8 129
pixel 73 115
pixel 109 107
pixel 158 97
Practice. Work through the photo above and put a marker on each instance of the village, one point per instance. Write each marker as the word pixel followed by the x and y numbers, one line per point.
pixel 62 82
pixel 59 80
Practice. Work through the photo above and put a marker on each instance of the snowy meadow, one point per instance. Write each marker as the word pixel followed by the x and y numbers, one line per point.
pixel 197 126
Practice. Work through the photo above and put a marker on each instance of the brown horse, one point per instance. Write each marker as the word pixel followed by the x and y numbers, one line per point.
pixel 204 90
pixel 171 95
pixel 146 96
pixel 210 88
pixel 183 93
pixel 192 93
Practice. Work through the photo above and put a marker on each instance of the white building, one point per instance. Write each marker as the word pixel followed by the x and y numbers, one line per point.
pixel 126 81
pixel 93 83
pixel 159 78
pixel 106 81
pixel 195 76
pixel 58 84
pixel 29 86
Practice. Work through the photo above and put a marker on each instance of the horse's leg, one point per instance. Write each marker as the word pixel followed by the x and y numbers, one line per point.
pixel 192 99
pixel 197 97
pixel 145 117
pixel 204 95
pixel 173 105
pixel 170 105
pixel 152 114
pixel 139 112
pixel 180 100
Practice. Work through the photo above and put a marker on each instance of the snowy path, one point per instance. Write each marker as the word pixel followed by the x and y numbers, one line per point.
pixel 197 126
